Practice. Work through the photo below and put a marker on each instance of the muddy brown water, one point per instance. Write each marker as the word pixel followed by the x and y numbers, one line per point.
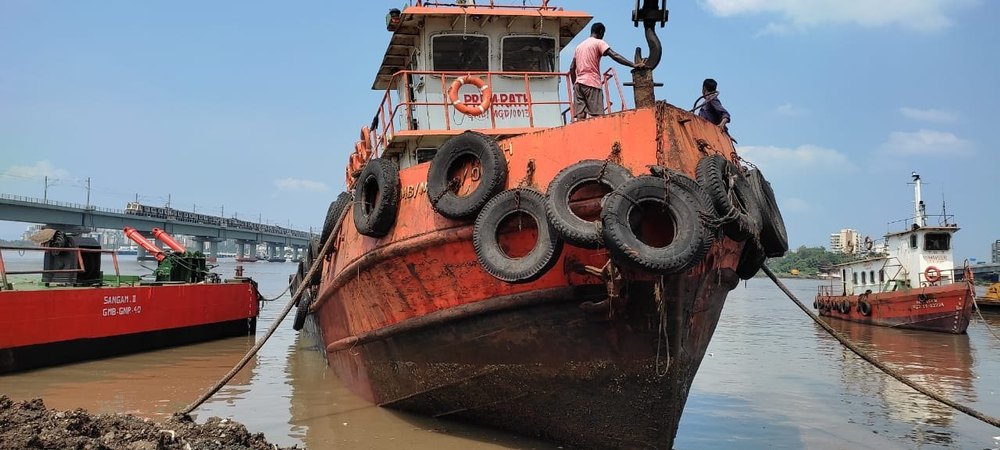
pixel 771 379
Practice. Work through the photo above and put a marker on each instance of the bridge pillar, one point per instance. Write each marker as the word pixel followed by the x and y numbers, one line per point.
pixel 199 245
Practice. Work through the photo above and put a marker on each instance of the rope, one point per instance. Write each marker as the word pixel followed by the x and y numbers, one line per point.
pixel 871 359
pixel 282 294
pixel 327 247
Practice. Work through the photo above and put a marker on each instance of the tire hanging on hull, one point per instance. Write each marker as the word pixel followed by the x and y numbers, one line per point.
pixel 773 236
pixel 489 226
pixel 332 214
pixel 636 243
pixel 459 150
pixel 377 196
pixel 734 200
pixel 573 228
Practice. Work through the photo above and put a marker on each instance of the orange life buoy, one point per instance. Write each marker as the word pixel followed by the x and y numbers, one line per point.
pixel 932 274
pixel 362 150
pixel 366 143
pixel 468 110
pixel 349 177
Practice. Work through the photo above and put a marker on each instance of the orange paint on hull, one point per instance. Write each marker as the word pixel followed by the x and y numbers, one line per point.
pixel 412 321
pixel 57 316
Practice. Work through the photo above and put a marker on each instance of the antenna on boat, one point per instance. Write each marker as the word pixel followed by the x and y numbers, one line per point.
pixel 944 208
pixel 920 212
pixel 642 78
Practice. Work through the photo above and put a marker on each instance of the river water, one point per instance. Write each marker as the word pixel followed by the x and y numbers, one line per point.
pixel 771 379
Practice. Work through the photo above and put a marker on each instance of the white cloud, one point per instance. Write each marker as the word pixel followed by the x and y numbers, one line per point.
pixel 39 170
pixel 295 184
pixel 790 110
pixel 804 159
pixel 794 204
pixel 926 143
pixel 929 115
pixel 797 15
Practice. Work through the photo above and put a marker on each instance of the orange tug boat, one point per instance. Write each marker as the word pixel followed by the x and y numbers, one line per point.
pixel 501 265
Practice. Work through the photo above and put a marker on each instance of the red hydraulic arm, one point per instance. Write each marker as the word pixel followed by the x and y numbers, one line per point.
pixel 134 235
pixel 165 238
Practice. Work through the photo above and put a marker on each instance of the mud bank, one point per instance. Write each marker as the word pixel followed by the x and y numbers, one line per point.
pixel 30 425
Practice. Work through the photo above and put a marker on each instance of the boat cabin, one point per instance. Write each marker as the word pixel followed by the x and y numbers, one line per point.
pixel 918 256
pixel 488 66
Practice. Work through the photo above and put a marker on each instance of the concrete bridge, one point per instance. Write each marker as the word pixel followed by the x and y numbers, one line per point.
pixel 75 217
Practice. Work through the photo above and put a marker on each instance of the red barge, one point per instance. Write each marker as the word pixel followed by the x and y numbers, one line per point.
pixel 502 263
pixel 908 280
pixel 76 312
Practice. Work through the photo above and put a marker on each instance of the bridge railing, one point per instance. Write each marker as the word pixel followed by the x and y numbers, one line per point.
pixel 62 204
pixel 290 233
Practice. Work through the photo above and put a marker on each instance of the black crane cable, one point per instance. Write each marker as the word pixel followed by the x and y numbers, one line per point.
pixel 871 359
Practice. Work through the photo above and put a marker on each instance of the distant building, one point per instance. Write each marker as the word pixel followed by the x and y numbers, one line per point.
pixel 846 241
pixel 996 252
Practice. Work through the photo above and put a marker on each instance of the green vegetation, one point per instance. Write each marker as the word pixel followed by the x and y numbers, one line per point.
pixel 806 260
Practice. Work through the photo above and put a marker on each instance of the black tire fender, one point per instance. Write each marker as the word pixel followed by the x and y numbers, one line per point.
pixel 574 229
pixel 492 257
pixel 731 195
pixel 333 213
pixel 377 198
pixel 619 218
pixel 864 308
pixel 773 236
pixel 312 254
pixel 493 175
pixel 751 260
pixel 303 310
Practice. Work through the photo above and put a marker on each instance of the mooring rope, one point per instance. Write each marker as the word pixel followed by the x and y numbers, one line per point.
pixel 317 263
pixel 871 359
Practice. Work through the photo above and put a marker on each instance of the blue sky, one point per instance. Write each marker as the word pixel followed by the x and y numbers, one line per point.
pixel 254 106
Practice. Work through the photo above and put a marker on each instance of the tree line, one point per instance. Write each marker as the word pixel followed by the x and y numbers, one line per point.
pixel 806 261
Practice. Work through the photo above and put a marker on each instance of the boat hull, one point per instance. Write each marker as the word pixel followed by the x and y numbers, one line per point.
pixel 541 365
pixel 60 325
pixel 412 320
pixel 946 309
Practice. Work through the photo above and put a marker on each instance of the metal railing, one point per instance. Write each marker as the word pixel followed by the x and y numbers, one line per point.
pixel 541 5
pixel 39 201
pixel 81 266
pixel 390 111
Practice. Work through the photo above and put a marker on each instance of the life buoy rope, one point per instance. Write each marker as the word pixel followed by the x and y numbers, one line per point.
pixel 463 108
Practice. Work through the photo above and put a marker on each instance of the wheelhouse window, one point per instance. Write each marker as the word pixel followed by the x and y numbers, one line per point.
pixel 913 241
pixel 528 54
pixel 855 277
pixel 460 52
pixel 937 241
pixel 863 276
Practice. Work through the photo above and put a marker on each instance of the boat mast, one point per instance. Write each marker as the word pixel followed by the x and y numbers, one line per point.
pixel 920 216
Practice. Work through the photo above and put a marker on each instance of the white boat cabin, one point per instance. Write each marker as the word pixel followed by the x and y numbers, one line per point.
pixel 919 256
pixel 513 49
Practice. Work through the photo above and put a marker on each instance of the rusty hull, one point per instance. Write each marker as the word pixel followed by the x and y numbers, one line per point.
pixel 411 321
pixel 946 308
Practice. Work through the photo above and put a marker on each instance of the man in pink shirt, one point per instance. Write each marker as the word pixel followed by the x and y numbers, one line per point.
pixel 585 72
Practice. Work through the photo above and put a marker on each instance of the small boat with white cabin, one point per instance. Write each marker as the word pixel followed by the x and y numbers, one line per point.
pixel 908 280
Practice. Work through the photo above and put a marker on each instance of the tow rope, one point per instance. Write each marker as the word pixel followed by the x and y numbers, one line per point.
pixel 871 359
pixel 317 263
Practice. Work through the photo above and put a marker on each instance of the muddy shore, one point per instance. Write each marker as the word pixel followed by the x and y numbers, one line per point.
pixel 30 425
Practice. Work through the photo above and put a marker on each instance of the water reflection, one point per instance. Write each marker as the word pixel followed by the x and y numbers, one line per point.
pixel 942 362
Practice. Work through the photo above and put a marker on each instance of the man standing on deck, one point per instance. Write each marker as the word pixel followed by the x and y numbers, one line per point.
pixel 712 109
pixel 585 73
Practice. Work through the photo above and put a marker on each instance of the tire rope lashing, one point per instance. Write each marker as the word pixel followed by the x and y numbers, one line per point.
pixel 614 156
pixel 875 362
pixel 661 329
pixel 328 246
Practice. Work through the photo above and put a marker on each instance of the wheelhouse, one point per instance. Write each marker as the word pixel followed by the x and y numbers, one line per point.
pixel 510 48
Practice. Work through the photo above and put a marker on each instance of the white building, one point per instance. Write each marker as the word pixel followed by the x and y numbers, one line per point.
pixel 996 252
pixel 846 241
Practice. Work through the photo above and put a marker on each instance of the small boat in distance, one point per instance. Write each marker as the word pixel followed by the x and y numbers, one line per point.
pixel 127 251
pixel 909 280
pixel 74 311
